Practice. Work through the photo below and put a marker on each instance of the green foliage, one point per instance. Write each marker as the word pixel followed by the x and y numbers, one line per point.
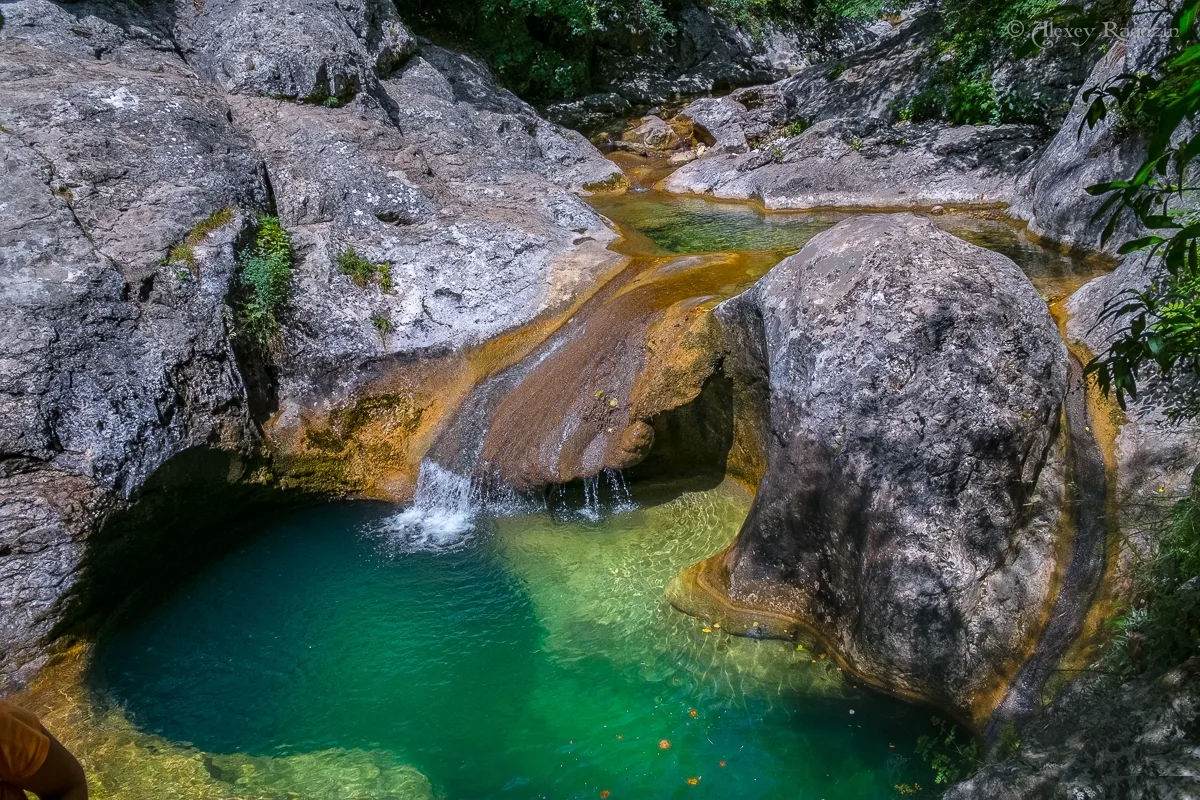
pixel 1007 743
pixel 1161 324
pixel 974 34
pixel 264 272
pixel 382 324
pixel 951 758
pixel 332 102
pixel 1162 629
pixel 907 789
pixel 544 50
pixel 796 127
pixel 837 71
pixel 362 271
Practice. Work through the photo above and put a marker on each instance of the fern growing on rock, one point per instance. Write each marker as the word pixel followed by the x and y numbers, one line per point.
pixel 264 272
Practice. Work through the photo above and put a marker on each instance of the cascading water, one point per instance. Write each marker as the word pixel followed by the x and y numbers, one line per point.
pixel 448 508
pixel 441 518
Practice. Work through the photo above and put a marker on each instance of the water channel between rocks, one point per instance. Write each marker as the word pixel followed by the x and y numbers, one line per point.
pixel 360 651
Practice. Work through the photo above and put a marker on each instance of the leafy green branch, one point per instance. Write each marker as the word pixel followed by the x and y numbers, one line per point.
pixel 1161 323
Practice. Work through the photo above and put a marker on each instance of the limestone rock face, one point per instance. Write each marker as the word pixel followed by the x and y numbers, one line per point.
pixel 1137 742
pixel 865 163
pixel 1052 193
pixel 1155 456
pixel 123 127
pixel 908 510
pixel 307 49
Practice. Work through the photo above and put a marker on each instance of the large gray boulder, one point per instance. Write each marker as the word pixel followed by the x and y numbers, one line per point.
pixel 865 163
pixel 307 49
pixel 913 484
pixel 130 412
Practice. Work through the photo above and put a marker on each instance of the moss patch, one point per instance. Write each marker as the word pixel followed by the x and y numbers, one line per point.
pixel 183 252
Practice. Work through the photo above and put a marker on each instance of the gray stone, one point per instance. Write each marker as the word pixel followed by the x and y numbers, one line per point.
pixel 1155 455
pixel 1052 192
pixel 716 123
pixel 865 163
pixel 1137 741
pixel 307 49
pixel 908 511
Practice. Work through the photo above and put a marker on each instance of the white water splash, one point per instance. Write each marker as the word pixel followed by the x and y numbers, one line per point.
pixel 442 518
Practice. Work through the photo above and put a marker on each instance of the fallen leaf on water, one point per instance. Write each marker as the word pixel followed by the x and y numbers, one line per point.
pixel 720 763
pixel 693 781
pixel 663 744
pixel 604 794
pixel 692 712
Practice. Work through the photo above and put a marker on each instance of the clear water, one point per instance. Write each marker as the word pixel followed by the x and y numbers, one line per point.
pixel 657 223
pixel 536 659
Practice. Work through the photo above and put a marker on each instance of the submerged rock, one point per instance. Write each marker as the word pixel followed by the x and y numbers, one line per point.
pixel 909 508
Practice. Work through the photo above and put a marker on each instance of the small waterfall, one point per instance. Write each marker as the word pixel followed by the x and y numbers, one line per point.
pixel 605 493
pixel 591 499
pixel 622 499
pixel 441 518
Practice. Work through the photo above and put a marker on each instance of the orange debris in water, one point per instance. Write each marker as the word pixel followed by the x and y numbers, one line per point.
pixel 720 763
pixel 692 712
pixel 664 744
pixel 604 794
pixel 619 736
pixel 693 781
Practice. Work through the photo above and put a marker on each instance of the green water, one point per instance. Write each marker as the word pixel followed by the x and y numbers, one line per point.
pixel 667 224
pixel 533 657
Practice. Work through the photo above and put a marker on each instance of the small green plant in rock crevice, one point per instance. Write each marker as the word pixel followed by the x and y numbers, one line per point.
pixel 952 757
pixel 382 324
pixel 264 272
pixel 362 271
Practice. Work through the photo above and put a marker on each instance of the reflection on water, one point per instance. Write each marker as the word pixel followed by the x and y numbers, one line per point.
pixel 540 660
pixel 661 224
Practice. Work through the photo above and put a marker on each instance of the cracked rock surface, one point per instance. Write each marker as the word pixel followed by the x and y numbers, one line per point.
pixel 122 127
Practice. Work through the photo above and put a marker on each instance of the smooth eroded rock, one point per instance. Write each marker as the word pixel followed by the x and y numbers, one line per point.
pixel 908 512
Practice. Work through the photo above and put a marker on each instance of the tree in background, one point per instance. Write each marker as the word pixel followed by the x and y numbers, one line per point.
pixel 544 50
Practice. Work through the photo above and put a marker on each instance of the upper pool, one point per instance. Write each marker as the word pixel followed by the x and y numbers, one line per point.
pixel 658 224
pixel 526 656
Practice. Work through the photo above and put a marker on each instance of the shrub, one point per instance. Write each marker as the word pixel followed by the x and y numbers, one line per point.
pixel 1162 629
pixel 796 127
pixel 264 272
pixel 952 758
